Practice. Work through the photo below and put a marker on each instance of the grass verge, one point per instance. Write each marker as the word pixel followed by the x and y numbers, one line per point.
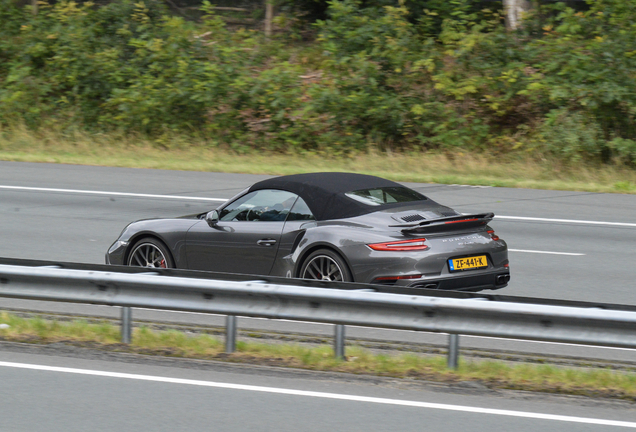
pixel 493 374
pixel 180 153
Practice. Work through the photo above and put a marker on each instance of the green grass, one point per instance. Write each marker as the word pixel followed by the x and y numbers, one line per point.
pixel 493 374
pixel 179 153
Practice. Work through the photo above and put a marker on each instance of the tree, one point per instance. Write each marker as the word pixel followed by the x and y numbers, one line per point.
pixel 514 11
pixel 269 15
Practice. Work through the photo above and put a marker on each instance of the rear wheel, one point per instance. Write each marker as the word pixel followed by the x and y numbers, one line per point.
pixel 149 252
pixel 325 265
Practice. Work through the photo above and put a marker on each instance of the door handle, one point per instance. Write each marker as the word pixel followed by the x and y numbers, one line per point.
pixel 266 242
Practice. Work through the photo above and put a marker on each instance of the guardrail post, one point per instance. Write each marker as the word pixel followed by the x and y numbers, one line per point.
pixel 230 334
pixel 126 324
pixel 453 350
pixel 339 341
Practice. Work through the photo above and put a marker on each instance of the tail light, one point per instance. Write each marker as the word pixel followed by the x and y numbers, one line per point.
pixel 493 236
pixel 404 245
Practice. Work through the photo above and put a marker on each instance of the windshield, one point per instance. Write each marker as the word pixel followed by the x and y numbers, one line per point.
pixel 385 195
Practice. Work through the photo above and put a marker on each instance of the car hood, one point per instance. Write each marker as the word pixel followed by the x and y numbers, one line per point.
pixel 160 226
pixel 192 216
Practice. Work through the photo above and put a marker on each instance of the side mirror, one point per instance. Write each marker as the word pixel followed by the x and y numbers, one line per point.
pixel 212 218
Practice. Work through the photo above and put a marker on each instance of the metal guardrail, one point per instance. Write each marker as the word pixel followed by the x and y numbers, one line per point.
pixel 494 296
pixel 583 323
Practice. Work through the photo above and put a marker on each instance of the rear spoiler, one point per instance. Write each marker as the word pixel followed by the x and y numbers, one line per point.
pixel 450 223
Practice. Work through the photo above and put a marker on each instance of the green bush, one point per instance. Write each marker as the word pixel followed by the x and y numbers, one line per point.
pixel 571 136
pixel 393 75
pixel 587 62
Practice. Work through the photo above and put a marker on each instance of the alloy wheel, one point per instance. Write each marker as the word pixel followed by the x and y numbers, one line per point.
pixel 322 267
pixel 148 255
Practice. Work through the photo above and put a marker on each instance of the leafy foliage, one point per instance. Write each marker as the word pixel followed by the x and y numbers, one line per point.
pixel 392 74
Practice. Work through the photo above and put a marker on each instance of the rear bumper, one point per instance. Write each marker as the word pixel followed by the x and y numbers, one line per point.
pixel 467 281
pixel 491 280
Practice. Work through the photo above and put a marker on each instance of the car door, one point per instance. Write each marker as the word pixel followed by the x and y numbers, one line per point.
pixel 246 237
pixel 300 218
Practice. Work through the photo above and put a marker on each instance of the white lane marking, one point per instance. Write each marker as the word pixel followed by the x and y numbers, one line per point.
pixel 368 399
pixel 78 191
pixel 546 252
pixel 570 221
pixel 549 343
pixel 471 186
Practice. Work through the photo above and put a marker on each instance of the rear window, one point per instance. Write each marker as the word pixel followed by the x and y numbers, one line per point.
pixel 385 195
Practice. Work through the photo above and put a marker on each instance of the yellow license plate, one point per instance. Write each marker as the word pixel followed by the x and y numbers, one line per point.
pixel 474 262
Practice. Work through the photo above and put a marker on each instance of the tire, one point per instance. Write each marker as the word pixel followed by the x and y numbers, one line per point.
pixel 325 265
pixel 150 252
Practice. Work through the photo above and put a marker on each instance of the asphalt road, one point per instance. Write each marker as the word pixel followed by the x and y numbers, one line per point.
pixel 564 245
pixel 71 225
pixel 69 393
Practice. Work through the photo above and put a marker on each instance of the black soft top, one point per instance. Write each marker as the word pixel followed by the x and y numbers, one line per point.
pixel 324 192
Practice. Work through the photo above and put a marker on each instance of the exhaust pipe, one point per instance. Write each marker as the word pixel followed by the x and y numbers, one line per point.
pixel 503 279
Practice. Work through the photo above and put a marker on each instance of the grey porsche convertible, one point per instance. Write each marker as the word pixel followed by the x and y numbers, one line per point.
pixel 327 226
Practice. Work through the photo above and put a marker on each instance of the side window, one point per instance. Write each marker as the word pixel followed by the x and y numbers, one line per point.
pixel 300 212
pixel 261 205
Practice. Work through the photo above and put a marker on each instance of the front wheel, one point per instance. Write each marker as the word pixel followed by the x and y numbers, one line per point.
pixel 151 253
pixel 325 265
